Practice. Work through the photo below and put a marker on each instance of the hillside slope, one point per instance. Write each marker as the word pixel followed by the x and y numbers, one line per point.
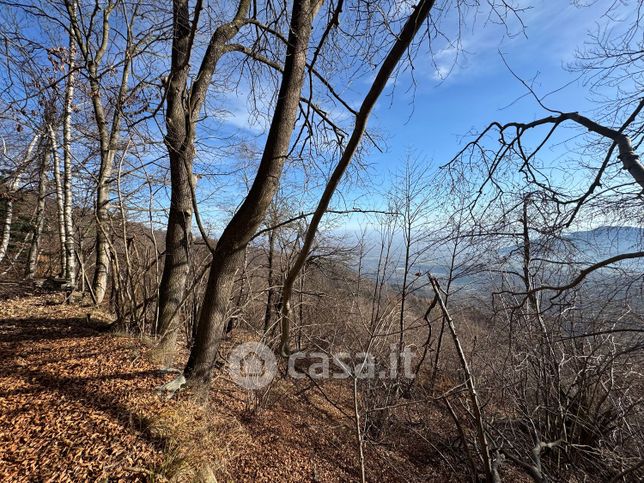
pixel 79 404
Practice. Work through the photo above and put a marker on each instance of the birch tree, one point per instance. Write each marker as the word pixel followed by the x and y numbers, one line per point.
pixel 36 228
pixel 60 199
pixel 93 36
pixel 13 184
pixel 70 250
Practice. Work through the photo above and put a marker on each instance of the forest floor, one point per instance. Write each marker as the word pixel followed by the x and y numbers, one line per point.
pixel 78 403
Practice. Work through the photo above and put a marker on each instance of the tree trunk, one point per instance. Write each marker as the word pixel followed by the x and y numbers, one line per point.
pixel 403 293
pixel 180 145
pixel 400 46
pixel 108 131
pixel 60 202
pixel 108 137
pixel 102 267
pixel 229 253
pixel 270 296
pixel 177 246
pixel 34 248
pixel 477 412
pixel 70 255
pixel 8 216
pixel 182 107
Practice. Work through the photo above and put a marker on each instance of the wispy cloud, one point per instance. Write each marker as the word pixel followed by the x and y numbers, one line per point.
pixel 554 30
pixel 238 113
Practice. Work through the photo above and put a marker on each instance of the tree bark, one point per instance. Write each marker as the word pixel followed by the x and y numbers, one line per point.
pixel 229 253
pixel 181 152
pixel 102 267
pixel 108 130
pixel 270 295
pixel 70 255
pixel 60 201
pixel 404 39
pixel 8 217
pixel 34 248
pixel 182 108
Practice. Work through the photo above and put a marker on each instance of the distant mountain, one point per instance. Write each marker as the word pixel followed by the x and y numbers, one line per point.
pixel 585 247
pixel 608 241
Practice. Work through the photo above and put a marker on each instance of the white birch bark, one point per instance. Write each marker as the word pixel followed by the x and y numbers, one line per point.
pixel 13 186
pixel 60 201
pixel 70 255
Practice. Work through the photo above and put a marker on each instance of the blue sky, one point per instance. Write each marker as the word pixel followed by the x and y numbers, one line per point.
pixel 460 90
pixel 480 88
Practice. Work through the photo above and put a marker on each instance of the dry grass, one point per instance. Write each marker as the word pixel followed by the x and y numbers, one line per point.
pixel 200 442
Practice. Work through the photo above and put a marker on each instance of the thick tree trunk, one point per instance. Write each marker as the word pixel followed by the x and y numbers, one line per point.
pixel 8 216
pixel 400 46
pixel 182 107
pixel 177 246
pixel 229 253
pixel 179 141
pixel 34 248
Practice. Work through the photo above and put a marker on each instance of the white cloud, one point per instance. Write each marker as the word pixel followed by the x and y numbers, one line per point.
pixel 554 30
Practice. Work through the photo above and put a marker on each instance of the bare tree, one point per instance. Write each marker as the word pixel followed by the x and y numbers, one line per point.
pixel 60 200
pixel 411 200
pixel 13 185
pixel 183 104
pixel 404 39
pixel 230 248
pixel 36 229
pixel 93 40
pixel 70 250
